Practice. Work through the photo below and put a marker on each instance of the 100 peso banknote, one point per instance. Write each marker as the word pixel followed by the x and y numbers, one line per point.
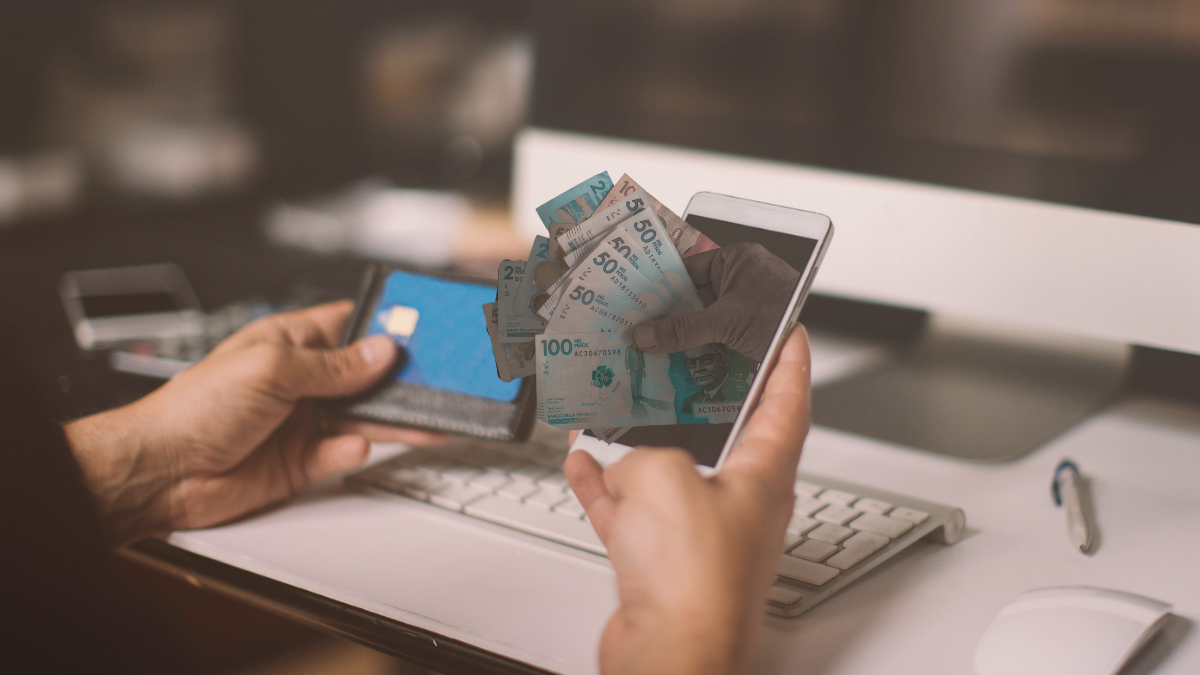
pixel 600 380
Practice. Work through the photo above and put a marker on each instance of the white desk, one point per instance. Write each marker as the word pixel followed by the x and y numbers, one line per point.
pixel 921 612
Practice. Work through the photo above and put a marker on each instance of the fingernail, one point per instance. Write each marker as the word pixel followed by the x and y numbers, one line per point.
pixel 645 337
pixel 377 349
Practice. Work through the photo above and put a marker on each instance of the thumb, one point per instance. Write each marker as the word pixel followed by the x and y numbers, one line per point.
pixel 676 333
pixel 329 373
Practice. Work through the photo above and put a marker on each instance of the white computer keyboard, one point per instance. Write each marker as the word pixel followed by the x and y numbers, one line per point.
pixel 839 530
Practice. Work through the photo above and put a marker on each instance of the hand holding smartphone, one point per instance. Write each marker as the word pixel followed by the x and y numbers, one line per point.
pixel 754 286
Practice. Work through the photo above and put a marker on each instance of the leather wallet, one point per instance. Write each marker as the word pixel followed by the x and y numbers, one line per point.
pixel 443 379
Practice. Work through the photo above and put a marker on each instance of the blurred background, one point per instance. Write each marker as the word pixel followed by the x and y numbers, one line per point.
pixel 263 144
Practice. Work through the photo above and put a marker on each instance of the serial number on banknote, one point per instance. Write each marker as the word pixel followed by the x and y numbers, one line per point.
pixel 704 409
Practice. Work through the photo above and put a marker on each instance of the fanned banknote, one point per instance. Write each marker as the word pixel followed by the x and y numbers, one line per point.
pixel 687 239
pixel 513 326
pixel 641 241
pixel 602 220
pixel 600 380
pixel 588 308
pixel 540 274
pixel 608 271
pixel 571 208
pixel 613 258
pixel 513 360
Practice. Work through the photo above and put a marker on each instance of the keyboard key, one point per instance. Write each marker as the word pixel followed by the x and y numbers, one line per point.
pixel 837 497
pixel 790 540
pixel 872 505
pixel 830 533
pixel 805 489
pixel 460 474
pixel 489 481
pixel 407 474
pixel 571 507
pixel 570 531
pixel 814 574
pixel 837 514
pixel 784 596
pixel 877 524
pixel 555 480
pixel 814 550
pixel 528 471
pixel 422 487
pixel 801 524
pixel 517 490
pixel 912 515
pixel 456 495
pixel 856 548
pixel 545 499
pixel 807 507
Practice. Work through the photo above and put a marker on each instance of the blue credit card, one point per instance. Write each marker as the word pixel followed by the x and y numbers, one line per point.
pixel 439 325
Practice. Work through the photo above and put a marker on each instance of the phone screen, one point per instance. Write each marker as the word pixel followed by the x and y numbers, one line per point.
pixel 711 379
pixel 128 304
pixel 438 324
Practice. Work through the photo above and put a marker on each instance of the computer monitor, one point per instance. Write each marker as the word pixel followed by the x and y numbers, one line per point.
pixel 1027 163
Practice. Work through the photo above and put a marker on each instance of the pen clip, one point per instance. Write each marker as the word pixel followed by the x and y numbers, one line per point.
pixel 1065 464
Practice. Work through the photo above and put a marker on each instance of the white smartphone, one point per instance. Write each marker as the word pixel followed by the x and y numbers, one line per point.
pixel 109 306
pixel 714 376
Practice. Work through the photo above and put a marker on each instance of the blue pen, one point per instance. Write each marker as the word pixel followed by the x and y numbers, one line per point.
pixel 1065 490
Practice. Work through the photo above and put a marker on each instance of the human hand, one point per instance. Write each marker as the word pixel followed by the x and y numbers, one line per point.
pixel 751 287
pixel 235 433
pixel 694 556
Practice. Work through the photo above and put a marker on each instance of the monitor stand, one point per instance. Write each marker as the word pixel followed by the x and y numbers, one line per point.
pixel 962 391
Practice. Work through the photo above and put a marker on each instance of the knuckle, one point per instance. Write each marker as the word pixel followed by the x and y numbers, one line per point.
pixel 337 362
pixel 746 249
pixel 680 329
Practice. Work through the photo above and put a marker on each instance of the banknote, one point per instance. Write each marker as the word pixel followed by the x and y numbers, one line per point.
pixel 687 239
pixel 659 251
pixel 601 381
pixel 576 204
pixel 641 242
pixel 519 357
pixel 513 326
pixel 513 360
pixel 490 319
pixel 588 308
pixel 540 275
pixel 619 279
pixel 571 208
pixel 601 221
pixel 556 254
pixel 638 242
pixel 508 282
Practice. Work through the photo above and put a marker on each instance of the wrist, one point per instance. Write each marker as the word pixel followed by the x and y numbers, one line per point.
pixel 128 478
pixel 713 639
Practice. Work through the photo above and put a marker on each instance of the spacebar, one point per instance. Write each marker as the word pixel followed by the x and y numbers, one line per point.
pixel 547 524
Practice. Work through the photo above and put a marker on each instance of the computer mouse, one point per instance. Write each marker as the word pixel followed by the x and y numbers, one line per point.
pixel 1068 630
